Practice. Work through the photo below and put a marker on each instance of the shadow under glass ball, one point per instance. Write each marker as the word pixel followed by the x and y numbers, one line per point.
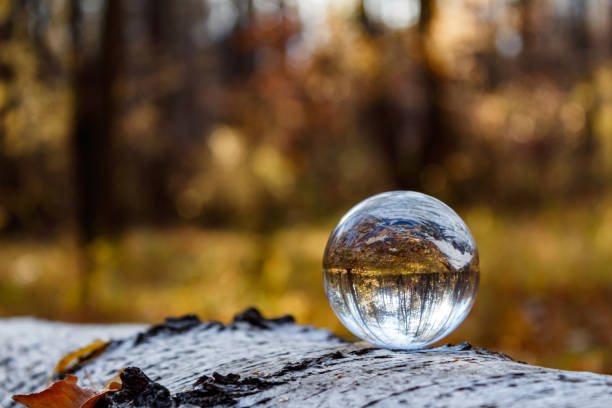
pixel 401 270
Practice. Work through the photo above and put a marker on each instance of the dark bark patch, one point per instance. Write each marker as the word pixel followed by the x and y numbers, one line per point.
pixel 204 398
pixel 234 384
pixel 222 390
pixel 172 325
pixel 217 390
pixel 307 363
pixel 138 390
pixel 6 361
pixel 253 317
pixel 564 378
pixel 363 351
pixel 462 346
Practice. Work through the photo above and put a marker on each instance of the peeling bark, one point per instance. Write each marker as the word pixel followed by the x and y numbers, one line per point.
pixel 255 361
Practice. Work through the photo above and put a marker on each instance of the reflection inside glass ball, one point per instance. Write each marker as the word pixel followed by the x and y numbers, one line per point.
pixel 401 270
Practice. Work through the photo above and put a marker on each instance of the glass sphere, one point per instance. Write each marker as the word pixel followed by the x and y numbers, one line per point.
pixel 401 270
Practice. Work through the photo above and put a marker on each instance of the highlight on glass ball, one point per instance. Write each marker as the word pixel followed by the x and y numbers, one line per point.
pixel 401 270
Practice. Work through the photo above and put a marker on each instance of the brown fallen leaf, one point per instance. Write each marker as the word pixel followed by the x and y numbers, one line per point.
pixel 61 394
pixel 83 355
pixel 67 394
pixel 90 403
pixel 115 383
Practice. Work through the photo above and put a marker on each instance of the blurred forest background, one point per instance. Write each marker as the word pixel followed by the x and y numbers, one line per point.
pixel 168 157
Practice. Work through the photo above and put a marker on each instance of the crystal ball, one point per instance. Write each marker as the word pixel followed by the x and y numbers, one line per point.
pixel 401 270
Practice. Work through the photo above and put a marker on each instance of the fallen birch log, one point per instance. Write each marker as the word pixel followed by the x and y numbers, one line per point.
pixel 255 361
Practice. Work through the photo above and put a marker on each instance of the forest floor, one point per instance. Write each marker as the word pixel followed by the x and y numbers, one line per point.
pixel 544 296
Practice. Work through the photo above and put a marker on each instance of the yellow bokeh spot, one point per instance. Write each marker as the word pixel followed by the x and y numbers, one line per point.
pixel 274 170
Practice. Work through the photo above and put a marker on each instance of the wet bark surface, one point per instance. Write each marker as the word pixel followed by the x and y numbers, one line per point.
pixel 255 361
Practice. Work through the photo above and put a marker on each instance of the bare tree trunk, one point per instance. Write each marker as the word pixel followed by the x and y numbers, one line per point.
pixel 93 81
pixel 586 179
pixel 238 55
pixel 386 123
pixel 426 124
pixel 437 137
pixel 528 56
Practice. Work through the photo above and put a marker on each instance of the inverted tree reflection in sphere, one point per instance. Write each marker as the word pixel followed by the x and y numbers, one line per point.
pixel 401 270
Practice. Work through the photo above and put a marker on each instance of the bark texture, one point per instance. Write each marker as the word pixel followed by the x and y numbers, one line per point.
pixel 255 361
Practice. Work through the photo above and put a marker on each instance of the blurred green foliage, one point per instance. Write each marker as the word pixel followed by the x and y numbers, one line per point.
pixel 160 158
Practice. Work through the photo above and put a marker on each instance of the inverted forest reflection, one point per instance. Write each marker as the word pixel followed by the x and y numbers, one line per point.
pixel 400 310
pixel 160 158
